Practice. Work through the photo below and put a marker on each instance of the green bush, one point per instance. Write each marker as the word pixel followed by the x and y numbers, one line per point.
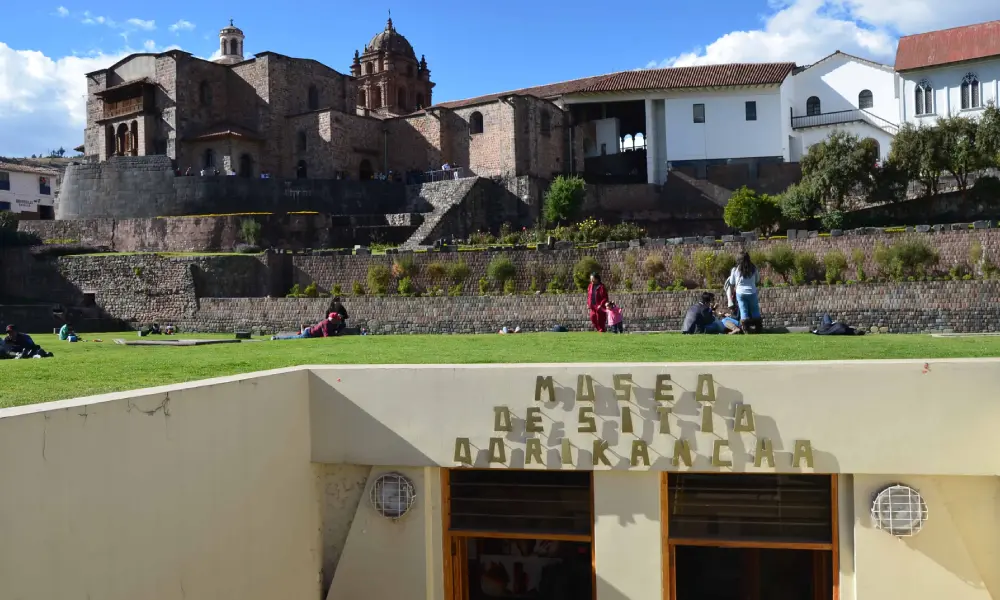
pixel 560 281
pixel 833 219
pixel 405 266
pixel 616 277
pixel 501 269
pixel 858 258
pixel 336 290
pixel 455 290
pixel 437 271
pixel 912 257
pixel 357 289
pixel 782 261
pixel 628 284
pixel 653 266
pixel 295 292
pixel 758 258
pixel 484 286
pixel 582 270
pixel 835 263
pixel 883 259
pixel 250 231
pixel 806 268
pixel 631 260
pixel 651 285
pixel 679 265
pixel 8 220
pixel 724 263
pixel 623 232
pixel 748 211
pixel 406 287
pixel 563 199
pixel 379 277
pixel 713 267
pixel 137 271
pixel 458 272
pixel 311 291
pixel 510 287
pixel 533 286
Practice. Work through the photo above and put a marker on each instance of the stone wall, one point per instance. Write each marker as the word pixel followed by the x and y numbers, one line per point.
pixel 896 308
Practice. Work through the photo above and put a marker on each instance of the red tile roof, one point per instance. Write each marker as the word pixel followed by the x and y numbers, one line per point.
pixel 224 130
pixel 948 46
pixel 651 79
pixel 6 166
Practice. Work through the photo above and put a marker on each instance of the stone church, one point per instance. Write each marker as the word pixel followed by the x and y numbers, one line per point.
pixel 274 115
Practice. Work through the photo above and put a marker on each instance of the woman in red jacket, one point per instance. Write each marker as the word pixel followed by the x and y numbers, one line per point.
pixel 597 301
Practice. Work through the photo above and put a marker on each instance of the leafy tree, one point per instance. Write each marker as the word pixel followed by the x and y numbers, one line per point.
pixel 800 202
pixel 747 211
pixel 500 270
pixel 782 260
pixel 250 231
pixel 988 137
pixel 582 270
pixel 891 183
pixel 917 153
pixel 564 199
pixel 959 153
pixel 840 166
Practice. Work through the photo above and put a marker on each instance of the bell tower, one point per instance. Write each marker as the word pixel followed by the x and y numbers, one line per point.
pixel 230 44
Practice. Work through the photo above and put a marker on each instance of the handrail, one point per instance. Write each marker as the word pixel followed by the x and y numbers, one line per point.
pixel 844 116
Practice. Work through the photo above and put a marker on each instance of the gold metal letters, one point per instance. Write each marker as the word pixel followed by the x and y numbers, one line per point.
pixel 587 422
pixel 584 388
pixel 533 421
pixel 623 388
pixel 544 383
pixel 705 392
pixel 717 460
pixel 743 420
pixel 463 451
pixel 498 452
pixel 639 450
pixel 501 419
pixel 533 450
pixel 682 452
pixel 803 449
pixel 600 446
pixel 765 450
pixel 662 388
pixel 627 420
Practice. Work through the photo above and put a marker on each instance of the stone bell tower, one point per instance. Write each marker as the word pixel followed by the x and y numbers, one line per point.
pixel 391 80
pixel 231 45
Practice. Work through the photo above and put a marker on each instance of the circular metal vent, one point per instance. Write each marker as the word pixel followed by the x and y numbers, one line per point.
pixel 900 510
pixel 392 495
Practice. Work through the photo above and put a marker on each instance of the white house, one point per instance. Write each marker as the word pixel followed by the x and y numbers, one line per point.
pixel 847 93
pixel 948 72
pixel 28 191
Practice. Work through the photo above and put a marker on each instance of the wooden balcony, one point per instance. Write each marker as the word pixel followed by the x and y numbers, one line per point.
pixel 122 108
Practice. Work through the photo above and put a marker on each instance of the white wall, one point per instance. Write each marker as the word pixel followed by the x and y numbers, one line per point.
pixel 608 133
pixel 725 133
pixel 814 135
pixel 839 80
pixel 627 516
pixel 947 84
pixel 24 196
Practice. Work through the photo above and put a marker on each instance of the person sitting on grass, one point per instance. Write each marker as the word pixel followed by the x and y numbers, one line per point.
pixel 615 318
pixel 21 344
pixel 337 306
pixel 325 328
pixel 65 331
pixel 700 318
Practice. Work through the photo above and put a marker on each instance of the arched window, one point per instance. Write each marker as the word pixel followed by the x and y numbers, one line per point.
pixel 223 46
pixel 133 138
pixel 366 172
pixel 300 141
pixel 205 93
pixel 233 47
pixel 369 68
pixel 813 107
pixel 377 98
pixel 313 98
pixel 476 123
pixel 300 170
pixel 209 160
pixel 420 100
pixel 640 141
pixel 401 98
pixel 109 141
pixel 866 99
pixel 246 166
pixel 872 146
pixel 546 123
pixel 628 143
pixel 362 98
pixel 923 98
pixel 970 91
pixel 121 140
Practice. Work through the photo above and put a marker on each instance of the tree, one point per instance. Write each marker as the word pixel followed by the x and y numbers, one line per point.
pixel 61 152
pixel 840 166
pixel 747 211
pixel 891 183
pixel 564 199
pixel 917 152
pixel 988 136
pixel 959 154
pixel 800 202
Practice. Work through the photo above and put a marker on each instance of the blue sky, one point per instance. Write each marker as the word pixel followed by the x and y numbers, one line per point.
pixel 472 48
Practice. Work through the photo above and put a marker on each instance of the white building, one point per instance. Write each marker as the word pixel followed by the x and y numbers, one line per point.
pixel 28 191
pixel 948 72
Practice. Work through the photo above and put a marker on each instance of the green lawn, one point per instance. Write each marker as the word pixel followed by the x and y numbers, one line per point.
pixel 89 368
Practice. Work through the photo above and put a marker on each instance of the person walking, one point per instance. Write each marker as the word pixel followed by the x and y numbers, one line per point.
pixel 597 302
pixel 744 279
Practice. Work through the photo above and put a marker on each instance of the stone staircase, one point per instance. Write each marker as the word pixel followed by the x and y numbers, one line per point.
pixel 442 197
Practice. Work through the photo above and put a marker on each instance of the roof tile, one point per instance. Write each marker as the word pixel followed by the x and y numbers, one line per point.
pixel 948 46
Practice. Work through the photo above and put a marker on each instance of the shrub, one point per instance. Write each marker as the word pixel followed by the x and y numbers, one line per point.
pixel 591 230
pixel 628 285
pixel 510 287
pixel 379 277
pixel 616 277
pixel 137 271
pixel 631 260
pixel 782 261
pixel 651 285
pixel 713 266
pixel 250 231
pixel 484 286
pixel 481 238
pixel 311 291
pixel 560 281
pixel 806 268
pixel 336 290
pixel 295 292
pixel 437 271
pixel 563 199
pixel 455 290
pixel 533 286
pixel 624 232
pixel 858 258
pixel 912 257
pixel 8 220
pixel 405 266
pixel 357 289
pixel 653 266
pixel 501 269
pixel 406 287
pixel 835 263
pixel 458 272
pixel 759 258
pixel 724 263
pixel 582 270
pixel 833 219
pixel 247 249
pixel 747 210
pixel 883 259
pixel 975 253
pixel 679 266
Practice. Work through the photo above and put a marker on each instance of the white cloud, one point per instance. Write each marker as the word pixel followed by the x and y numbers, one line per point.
pixel 142 24
pixel 62 11
pixel 89 19
pixel 149 46
pixel 803 31
pixel 182 25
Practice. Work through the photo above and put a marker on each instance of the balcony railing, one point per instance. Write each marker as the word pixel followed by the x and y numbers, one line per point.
pixel 844 116
pixel 444 174
pixel 114 110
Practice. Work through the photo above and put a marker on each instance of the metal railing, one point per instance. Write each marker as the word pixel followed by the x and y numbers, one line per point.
pixel 443 174
pixel 844 116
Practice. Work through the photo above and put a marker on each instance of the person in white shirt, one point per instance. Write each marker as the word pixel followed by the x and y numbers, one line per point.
pixel 744 279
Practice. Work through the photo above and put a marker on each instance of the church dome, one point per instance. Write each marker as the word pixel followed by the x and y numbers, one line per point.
pixel 231 29
pixel 391 40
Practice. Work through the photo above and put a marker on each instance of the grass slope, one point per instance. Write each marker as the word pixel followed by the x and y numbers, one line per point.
pixel 89 368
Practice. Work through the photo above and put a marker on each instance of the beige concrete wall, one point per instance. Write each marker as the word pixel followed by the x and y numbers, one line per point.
pixel 860 417
pixel 198 493
pixel 628 548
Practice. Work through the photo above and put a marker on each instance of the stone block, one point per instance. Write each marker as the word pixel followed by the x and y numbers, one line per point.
pixel 910 229
pixel 606 246
pixel 708 239
pixel 729 238
pixel 938 228
pixel 836 232
pixel 791 233
pixel 749 236
pixel 980 224
pixel 362 251
pixel 923 228
pixel 542 248
pixel 691 240
pixel 813 234
pixel 634 243
pixel 658 242
pixel 959 226
pixel 565 245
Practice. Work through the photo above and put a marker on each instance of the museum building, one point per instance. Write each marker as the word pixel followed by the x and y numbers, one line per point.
pixel 820 481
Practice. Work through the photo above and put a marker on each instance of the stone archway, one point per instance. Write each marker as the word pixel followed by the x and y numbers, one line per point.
pixel 246 166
